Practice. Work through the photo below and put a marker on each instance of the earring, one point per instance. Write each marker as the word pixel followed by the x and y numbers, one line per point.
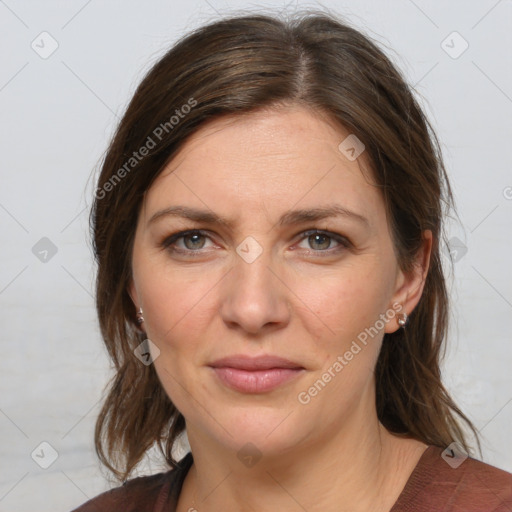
pixel 402 319
pixel 140 318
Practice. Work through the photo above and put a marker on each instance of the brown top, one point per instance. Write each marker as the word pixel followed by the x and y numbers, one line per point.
pixel 433 486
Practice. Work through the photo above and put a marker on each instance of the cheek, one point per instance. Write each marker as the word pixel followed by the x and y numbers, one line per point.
pixel 344 302
pixel 348 336
pixel 174 300
pixel 177 306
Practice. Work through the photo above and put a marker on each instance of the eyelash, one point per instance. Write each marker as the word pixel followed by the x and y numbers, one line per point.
pixel 170 240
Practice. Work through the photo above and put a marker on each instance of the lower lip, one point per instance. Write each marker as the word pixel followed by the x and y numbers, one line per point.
pixel 256 381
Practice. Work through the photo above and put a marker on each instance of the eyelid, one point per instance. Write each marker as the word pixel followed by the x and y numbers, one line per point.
pixel 340 239
pixel 343 241
pixel 181 234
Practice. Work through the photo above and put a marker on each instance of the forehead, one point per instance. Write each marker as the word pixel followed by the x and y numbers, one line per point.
pixel 268 161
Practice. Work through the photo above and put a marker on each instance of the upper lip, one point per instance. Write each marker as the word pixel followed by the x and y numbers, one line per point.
pixel 244 362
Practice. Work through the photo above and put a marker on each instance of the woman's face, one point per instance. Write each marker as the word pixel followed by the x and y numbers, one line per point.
pixel 260 284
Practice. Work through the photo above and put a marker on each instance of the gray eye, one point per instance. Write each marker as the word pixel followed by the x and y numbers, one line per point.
pixel 319 241
pixel 196 241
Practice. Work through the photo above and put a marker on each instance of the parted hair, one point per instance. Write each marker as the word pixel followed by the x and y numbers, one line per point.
pixel 234 66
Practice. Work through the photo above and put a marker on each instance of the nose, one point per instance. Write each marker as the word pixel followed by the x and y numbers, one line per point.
pixel 255 298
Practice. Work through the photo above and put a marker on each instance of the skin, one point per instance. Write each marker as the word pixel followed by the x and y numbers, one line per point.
pixel 304 298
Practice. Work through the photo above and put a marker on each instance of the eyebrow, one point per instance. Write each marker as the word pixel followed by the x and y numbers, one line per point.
pixel 288 218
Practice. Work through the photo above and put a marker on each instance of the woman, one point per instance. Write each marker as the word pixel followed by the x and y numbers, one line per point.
pixel 267 227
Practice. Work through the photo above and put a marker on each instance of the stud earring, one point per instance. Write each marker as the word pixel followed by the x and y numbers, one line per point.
pixel 140 318
pixel 402 319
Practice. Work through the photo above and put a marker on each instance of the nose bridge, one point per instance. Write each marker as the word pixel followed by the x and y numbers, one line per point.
pixel 253 295
pixel 254 274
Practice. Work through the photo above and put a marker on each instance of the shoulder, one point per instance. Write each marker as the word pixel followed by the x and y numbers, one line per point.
pixel 141 494
pixel 153 493
pixel 451 484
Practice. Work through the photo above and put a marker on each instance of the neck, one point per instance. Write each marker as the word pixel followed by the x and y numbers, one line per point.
pixel 358 467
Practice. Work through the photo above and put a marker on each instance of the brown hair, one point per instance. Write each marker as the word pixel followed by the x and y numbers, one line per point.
pixel 236 66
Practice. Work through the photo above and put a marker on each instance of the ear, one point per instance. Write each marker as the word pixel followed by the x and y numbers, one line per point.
pixel 409 286
pixel 132 291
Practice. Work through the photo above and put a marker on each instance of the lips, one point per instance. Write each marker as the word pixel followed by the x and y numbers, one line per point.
pixel 242 362
pixel 255 374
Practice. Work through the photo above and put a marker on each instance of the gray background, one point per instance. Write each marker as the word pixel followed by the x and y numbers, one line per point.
pixel 57 114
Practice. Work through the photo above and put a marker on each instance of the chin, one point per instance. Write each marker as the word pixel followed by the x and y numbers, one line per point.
pixel 269 430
